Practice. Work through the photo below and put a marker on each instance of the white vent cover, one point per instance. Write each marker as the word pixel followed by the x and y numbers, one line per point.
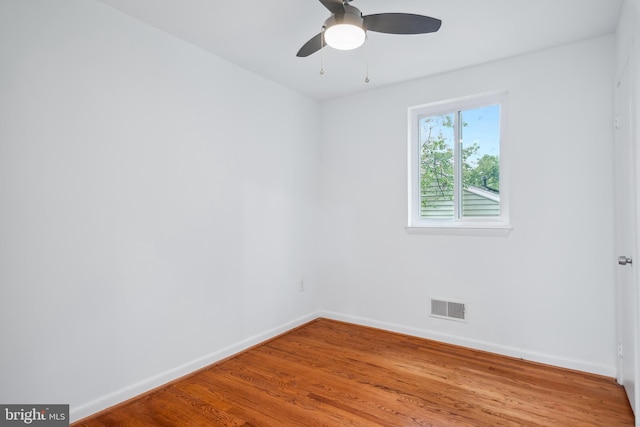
pixel 452 310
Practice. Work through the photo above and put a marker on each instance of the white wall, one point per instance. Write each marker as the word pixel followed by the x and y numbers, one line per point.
pixel 545 292
pixel 628 31
pixel 157 206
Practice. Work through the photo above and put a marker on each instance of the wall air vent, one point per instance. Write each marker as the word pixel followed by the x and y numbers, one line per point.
pixel 451 310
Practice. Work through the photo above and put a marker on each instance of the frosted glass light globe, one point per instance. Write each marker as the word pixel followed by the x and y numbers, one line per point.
pixel 344 36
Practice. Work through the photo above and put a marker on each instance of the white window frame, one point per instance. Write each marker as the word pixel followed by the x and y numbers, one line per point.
pixel 464 225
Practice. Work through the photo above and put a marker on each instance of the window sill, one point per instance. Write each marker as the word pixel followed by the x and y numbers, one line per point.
pixel 468 229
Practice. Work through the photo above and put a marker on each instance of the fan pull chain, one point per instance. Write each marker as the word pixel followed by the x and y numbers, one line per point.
pixel 321 46
pixel 366 53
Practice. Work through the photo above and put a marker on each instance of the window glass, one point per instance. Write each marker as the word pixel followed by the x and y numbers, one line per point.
pixel 436 134
pixel 480 146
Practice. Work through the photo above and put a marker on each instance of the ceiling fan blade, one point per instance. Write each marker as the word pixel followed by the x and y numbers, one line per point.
pixel 401 23
pixel 312 46
pixel 335 6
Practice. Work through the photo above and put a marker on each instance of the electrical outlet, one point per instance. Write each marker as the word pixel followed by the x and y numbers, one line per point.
pixel 301 289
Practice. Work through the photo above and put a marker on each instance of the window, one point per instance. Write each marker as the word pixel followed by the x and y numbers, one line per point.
pixel 457 164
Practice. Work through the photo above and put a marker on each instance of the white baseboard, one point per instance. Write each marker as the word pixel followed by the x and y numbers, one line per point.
pixel 575 364
pixel 139 388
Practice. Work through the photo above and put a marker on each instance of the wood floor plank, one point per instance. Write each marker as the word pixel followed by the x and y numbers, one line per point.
pixel 330 373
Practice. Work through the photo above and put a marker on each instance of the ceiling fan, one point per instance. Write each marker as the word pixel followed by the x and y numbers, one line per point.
pixel 346 28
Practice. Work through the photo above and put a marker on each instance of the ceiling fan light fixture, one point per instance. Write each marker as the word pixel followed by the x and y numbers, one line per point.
pixel 344 36
pixel 347 28
pixel 345 31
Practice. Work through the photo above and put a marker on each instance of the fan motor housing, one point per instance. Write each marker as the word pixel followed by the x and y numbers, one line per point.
pixel 351 15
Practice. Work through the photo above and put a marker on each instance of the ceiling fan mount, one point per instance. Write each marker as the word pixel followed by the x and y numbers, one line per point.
pixel 346 28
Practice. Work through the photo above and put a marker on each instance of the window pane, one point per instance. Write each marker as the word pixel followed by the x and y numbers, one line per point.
pixel 436 135
pixel 480 143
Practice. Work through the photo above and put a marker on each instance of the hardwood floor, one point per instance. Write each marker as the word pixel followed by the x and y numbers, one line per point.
pixel 329 373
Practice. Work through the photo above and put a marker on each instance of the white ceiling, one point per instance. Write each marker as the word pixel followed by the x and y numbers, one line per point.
pixel 264 36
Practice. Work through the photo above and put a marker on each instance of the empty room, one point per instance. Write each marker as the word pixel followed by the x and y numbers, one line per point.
pixel 233 213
